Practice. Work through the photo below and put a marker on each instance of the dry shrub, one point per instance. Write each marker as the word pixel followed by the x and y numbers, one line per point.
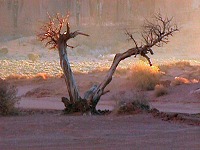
pixel 121 71
pixel 179 81
pixel 39 92
pixel 131 103
pixel 39 76
pixel 16 77
pixel 100 69
pixel 179 64
pixel 33 57
pixel 160 90
pixel 8 98
pixel 145 77
pixel 182 64
pixel 164 67
pixel 3 51
pixel 43 76
pixel 194 81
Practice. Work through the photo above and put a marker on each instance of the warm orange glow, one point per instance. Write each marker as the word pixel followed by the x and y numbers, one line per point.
pixel 143 66
pixel 42 75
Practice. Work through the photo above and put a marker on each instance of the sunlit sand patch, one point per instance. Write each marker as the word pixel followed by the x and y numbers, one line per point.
pixel 181 80
pixel 25 68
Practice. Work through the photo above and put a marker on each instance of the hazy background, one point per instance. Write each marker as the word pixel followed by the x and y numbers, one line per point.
pixel 105 21
pixel 22 17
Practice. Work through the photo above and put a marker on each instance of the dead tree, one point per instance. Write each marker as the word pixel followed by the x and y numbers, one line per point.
pixel 155 33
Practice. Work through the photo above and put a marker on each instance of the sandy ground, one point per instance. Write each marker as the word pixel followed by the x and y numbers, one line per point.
pixel 51 129
pixel 46 94
pixel 54 131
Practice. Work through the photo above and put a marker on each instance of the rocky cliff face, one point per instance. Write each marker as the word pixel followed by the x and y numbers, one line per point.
pixel 23 17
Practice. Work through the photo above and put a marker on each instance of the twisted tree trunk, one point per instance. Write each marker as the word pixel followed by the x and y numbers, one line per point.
pixel 75 103
pixel 68 75
pixel 95 93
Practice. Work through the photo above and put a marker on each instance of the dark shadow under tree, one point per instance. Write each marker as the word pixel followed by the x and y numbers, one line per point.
pixel 154 33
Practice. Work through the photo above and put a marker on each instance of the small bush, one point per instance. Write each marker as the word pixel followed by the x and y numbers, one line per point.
pixel 182 64
pixel 132 102
pixel 16 77
pixel 145 77
pixel 179 81
pixel 179 64
pixel 33 57
pixel 3 51
pixel 43 76
pixel 160 90
pixel 8 98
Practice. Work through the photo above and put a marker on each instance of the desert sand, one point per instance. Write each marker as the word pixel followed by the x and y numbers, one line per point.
pixel 55 131
pixel 42 124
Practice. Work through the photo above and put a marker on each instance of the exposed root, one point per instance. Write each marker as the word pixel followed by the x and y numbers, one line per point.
pixel 77 106
pixel 82 107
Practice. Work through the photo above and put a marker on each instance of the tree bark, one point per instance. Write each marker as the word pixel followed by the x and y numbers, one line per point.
pixel 68 75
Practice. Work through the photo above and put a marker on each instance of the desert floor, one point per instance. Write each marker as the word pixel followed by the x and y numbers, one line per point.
pixel 42 125
pixel 55 131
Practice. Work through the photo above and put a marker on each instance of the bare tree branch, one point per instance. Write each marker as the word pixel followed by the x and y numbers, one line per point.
pixel 52 30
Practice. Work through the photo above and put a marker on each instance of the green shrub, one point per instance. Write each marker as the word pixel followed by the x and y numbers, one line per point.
pixel 145 77
pixel 8 98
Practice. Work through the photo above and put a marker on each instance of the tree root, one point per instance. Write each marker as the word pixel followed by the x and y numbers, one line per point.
pixel 77 106
pixel 82 107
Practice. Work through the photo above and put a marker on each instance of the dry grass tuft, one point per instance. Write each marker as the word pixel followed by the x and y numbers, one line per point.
pixel 38 76
pixel 43 76
pixel 160 90
pixel 194 81
pixel 179 64
pixel 182 64
pixel 8 98
pixel 100 69
pixel 16 77
pixel 131 103
pixel 145 77
pixel 179 81
pixel 3 51
pixel 121 71
pixel 33 57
